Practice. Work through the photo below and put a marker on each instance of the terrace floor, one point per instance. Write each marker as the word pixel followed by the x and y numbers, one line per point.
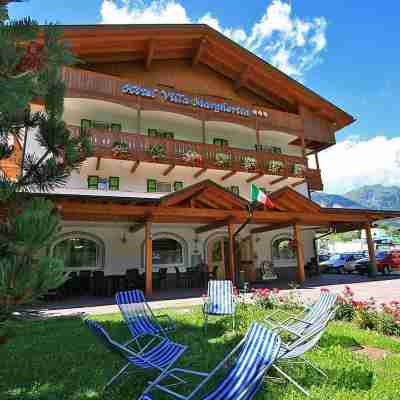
pixel 382 288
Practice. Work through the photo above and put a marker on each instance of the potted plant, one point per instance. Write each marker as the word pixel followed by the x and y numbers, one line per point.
pixel 120 147
pixel 192 156
pixel 248 163
pixel 157 151
pixel 298 169
pixel 222 159
pixel 275 167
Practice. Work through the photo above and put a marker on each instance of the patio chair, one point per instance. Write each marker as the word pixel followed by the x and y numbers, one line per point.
pixel 321 312
pixel 159 357
pixel 220 301
pixel 294 353
pixel 140 319
pixel 251 358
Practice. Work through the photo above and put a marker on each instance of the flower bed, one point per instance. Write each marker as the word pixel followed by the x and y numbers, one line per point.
pixel 383 318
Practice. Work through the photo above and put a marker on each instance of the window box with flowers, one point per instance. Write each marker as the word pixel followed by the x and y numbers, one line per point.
pixel 275 167
pixel 192 156
pixel 223 160
pixel 298 169
pixel 157 151
pixel 248 163
pixel 120 148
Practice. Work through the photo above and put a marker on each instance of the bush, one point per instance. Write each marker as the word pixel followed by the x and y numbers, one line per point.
pixel 346 308
pixel 268 299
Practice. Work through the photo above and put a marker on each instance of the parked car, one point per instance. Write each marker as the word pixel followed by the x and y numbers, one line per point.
pixel 385 262
pixel 350 265
pixel 336 262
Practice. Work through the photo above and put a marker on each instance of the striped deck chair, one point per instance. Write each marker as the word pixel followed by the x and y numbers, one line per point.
pixel 140 319
pixel 220 301
pixel 321 312
pixel 251 358
pixel 158 358
pixel 294 353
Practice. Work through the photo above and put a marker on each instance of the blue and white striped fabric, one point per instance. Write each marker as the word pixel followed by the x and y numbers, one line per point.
pixel 137 316
pixel 259 351
pixel 304 344
pixel 160 356
pixel 220 298
pixel 319 313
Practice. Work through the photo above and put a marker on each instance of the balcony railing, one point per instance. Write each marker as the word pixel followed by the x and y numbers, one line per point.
pixel 138 147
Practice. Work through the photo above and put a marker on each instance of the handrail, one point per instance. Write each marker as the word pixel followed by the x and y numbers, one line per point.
pixel 140 147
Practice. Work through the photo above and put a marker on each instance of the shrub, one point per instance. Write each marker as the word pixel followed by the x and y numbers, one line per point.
pixel 346 308
pixel 272 298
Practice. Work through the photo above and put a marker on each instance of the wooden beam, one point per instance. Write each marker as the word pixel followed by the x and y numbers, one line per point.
pixel 298 183
pixel 254 177
pixel 242 77
pixel 199 173
pixel 275 181
pixel 271 227
pixel 135 166
pixel 169 169
pixel 150 54
pixel 98 163
pixel 231 254
pixel 298 238
pixel 371 250
pixel 228 175
pixel 148 258
pixel 200 49
pixel 213 226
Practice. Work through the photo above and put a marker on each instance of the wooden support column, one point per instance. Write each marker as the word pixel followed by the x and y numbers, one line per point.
pixel 203 130
pixel 148 258
pixel 316 159
pixel 139 119
pixel 257 134
pixel 371 250
pixel 231 254
pixel 298 238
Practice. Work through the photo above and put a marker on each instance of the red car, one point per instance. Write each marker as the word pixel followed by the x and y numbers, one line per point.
pixel 386 261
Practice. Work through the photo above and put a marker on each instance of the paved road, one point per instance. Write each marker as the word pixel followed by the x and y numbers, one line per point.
pixel 383 289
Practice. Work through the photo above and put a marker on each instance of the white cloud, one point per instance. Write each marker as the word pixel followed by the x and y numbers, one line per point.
pixel 292 44
pixel 353 163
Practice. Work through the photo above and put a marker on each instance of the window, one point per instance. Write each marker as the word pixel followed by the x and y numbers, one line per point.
pixel 93 182
pixel 80 251
pixel 178 186
pixel 105 125
pixel 154 186
pixel 151 185
pixel 160 134
pixel 220 142
pixel 282 248
pixel 235 190
pixel 167 251
pixel 113 183
pixel 116 128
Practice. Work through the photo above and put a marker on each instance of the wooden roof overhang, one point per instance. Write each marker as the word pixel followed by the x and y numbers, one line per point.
pixel 198 43
pixel 206 202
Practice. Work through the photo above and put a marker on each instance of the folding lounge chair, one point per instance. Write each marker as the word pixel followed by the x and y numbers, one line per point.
pixel 294 353
pixel 321 312
pixel 257 352
pixel 159 357
pixel 220 301
pixel 140 319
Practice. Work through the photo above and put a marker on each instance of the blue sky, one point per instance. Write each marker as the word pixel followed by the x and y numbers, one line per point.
pixel 345 50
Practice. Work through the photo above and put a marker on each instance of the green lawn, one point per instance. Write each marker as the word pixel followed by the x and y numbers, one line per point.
pixel 59 359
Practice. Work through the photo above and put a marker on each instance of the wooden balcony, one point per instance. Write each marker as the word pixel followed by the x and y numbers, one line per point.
pixel 139 147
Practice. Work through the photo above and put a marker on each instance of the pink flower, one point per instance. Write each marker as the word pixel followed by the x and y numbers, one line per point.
pixel 324 290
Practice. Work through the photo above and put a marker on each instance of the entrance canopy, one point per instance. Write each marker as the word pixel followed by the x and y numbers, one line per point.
pixel 207 202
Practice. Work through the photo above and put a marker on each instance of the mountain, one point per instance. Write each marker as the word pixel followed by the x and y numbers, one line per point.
pixel 334 200
pixel 377 197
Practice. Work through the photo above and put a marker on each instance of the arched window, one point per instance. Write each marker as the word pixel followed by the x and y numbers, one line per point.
pixel 282 248
pixel 80 251
pixel 167 251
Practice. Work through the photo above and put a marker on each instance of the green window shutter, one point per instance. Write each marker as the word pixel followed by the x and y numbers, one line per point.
pixel 116 127
pixel 235 190
pixel 93 182
pixel 86 124
pixel 151 185
pixel 178 185
pixel 220 142
pixel 152 132
pixel 168 135
pixel 113 183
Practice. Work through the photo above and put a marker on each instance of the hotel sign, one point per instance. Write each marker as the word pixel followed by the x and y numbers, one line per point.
pixel 194 101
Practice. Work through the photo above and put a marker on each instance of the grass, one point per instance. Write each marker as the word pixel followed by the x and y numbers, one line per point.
pixel 58 359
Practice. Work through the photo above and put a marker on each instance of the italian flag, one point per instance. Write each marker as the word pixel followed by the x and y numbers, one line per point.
pixel 258 195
